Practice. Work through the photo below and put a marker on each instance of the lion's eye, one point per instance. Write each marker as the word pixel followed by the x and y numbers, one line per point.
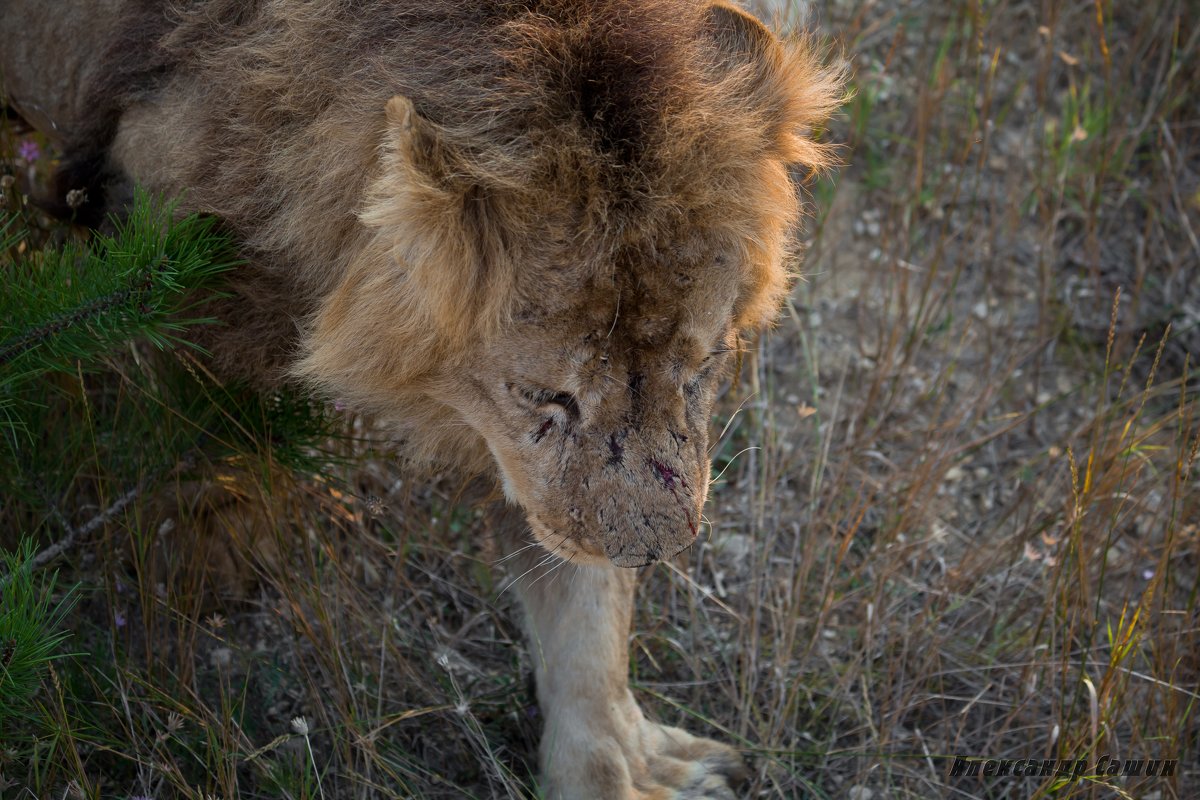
pixel 711 363
pixel 542 400
pixel 713 360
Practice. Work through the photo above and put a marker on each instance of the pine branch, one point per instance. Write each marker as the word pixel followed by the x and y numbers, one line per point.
pixel 73 534
pixel 46 333
pixel 31 628
pixel 77 418
pixel 70 307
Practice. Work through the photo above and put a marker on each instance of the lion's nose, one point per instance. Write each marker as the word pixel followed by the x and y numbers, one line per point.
pixel 651 535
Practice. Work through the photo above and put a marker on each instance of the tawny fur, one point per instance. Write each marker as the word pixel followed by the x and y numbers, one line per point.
pixel 524 233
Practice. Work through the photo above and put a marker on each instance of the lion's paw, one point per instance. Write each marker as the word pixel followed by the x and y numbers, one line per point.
pixel 650 762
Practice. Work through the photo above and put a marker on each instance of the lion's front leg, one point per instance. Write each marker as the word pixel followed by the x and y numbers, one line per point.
pixel 596 744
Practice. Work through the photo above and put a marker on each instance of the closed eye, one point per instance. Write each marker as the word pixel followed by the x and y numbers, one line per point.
pixel 714 359
pixel 711 363
pixel 544 400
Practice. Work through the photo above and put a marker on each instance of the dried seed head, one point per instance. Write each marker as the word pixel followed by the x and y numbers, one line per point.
pixel 300 726
pixel 375 506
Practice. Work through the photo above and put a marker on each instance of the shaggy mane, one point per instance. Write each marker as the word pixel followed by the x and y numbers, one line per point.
pixel 541 145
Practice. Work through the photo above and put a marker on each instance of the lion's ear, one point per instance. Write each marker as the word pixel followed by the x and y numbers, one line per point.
pixel 739 34
pixel 788 86
pixel 412 178
pixel 410 138
pixel 430 225
pixel 400 112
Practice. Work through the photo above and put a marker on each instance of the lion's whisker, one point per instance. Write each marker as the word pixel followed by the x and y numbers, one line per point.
pixel 545 559
pixel 616 316
pixel 552 570
pixel 569 562
pixel 717 477
pixel 532 543
pixel 732 417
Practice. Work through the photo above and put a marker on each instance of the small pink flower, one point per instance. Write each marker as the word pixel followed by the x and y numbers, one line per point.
pixel 29 151
pixel 338 405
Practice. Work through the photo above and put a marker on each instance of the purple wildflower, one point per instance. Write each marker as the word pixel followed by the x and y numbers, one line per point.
pixel 119 619
pixel 29 151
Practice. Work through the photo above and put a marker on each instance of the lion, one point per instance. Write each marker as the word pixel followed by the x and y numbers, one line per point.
pixel 526 235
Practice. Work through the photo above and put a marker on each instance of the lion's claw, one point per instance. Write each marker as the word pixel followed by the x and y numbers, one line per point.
pixel 650 762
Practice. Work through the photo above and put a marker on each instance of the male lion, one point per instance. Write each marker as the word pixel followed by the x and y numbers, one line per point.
pixel 525 233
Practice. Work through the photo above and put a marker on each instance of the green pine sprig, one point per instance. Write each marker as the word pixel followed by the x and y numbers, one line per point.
pixel 31 627
pixel 66 308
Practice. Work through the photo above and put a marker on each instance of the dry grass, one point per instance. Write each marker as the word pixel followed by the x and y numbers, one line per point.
pixel 955 507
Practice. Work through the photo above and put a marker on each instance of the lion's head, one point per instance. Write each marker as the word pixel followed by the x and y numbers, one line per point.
pixel 566 249
pixel 596 400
